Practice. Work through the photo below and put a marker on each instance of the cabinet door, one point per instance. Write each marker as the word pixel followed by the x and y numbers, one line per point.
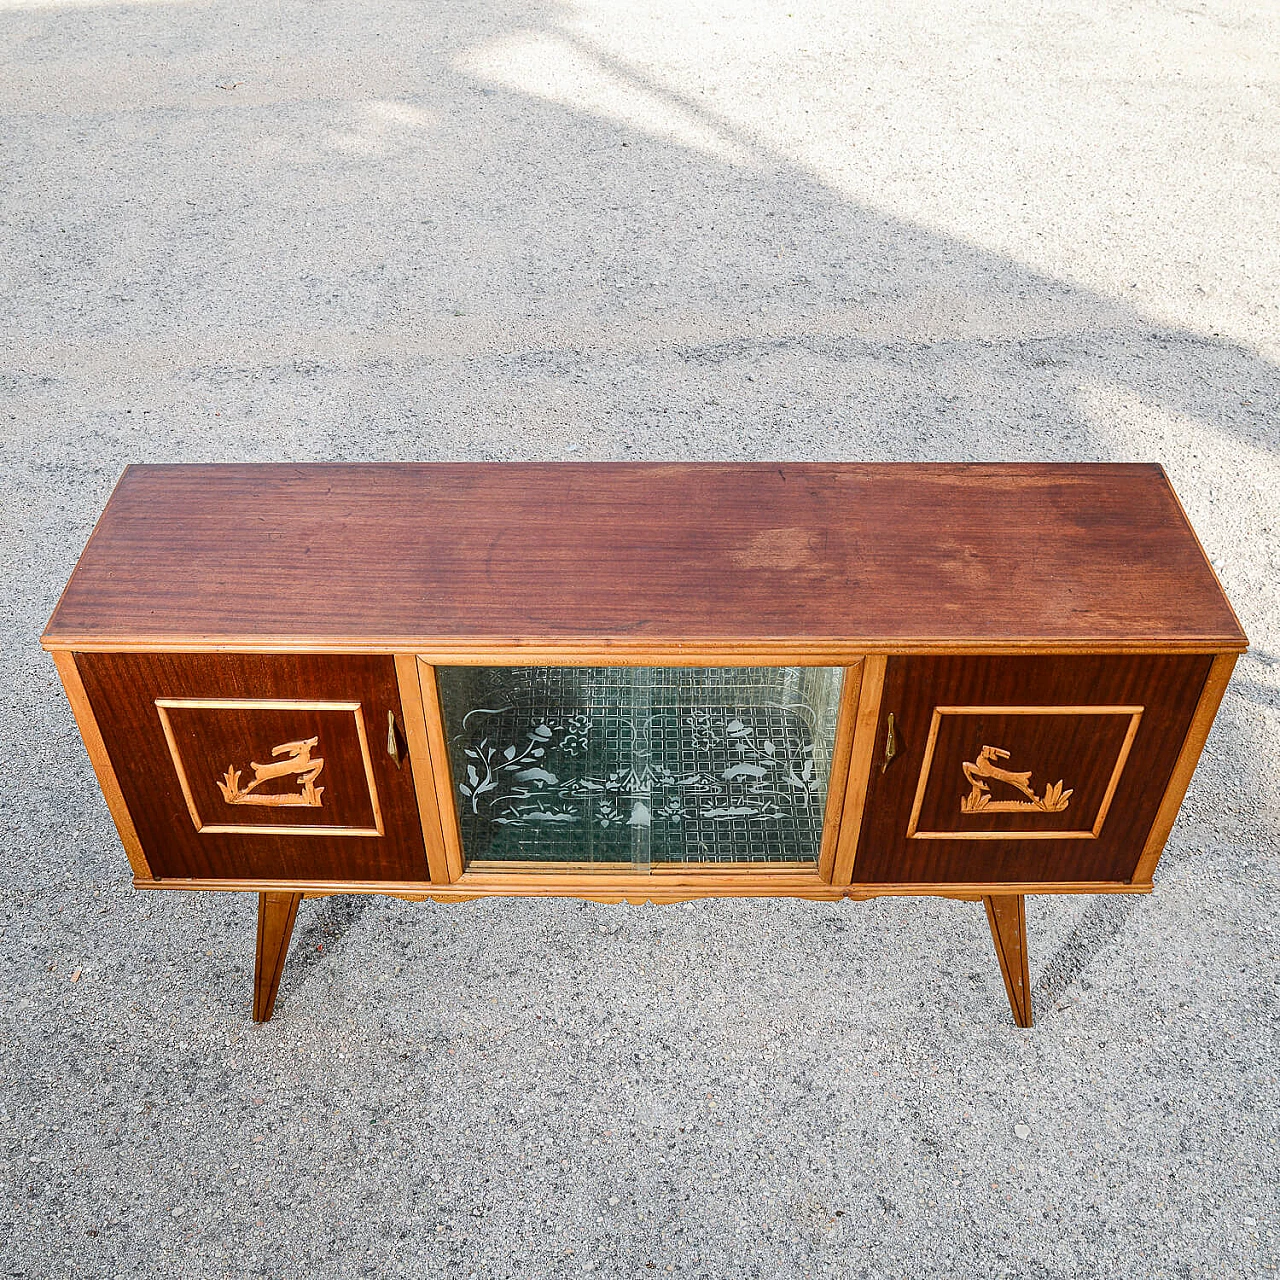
pixel 1022 769
pixel 245 766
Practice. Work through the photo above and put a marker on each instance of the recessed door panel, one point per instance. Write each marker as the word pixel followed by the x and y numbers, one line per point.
pixel 262 766
pixel 1013 770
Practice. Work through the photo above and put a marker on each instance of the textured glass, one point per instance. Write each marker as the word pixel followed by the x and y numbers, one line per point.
pixel 640 765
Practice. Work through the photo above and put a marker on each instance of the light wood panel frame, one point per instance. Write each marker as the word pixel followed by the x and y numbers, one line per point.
pixel 421 762
pixel 446 799
pixel 594 888
pixel 626 651
pixel 865 734
pixel 838 777
pixel 442 773
pixel 164 705
pixel 1135 718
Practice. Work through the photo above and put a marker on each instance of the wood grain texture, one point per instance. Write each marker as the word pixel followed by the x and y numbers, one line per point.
pixel 1088 746
pixel 209 738
pixel 1007 916
pixel 650 888
pixel 123 689
pixel 420 761
pixel 1167 687
pixel 438 740
pixel 1210 699
pixel 838 780
pixel 276 914
pixel 865 732
pixel 87 723
pixel 855 557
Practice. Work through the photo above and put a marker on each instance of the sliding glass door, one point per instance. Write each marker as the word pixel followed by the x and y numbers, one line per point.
pixel 631 767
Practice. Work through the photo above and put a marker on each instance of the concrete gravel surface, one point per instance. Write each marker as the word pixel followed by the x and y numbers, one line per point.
pixel 389 229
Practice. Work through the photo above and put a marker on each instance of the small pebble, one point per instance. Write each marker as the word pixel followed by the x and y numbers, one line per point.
pixel 1022 1130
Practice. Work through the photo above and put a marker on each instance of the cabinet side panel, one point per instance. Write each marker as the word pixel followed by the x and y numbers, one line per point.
pixel 101 761
pixel 1214 688
pixel 259 766
pixel 1017 770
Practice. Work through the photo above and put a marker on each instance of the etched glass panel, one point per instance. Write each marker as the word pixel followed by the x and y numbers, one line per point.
pixel 639 765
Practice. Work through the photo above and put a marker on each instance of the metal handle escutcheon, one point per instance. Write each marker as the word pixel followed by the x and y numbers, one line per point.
pixel 393 738
pixel 890 744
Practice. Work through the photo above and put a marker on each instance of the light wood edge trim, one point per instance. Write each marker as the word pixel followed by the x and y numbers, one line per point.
pixel 639 888
pixel 1005 835
pixel 415 895
pixel 1215 686
pixel 866 731
pixel 1044 709
pixel 605 651
pixel 368 769
pixel 421 766
pixel 925 765
pixel 162 709
pixel 1121 760
pixel 257 704
pixel 439 746
pixel 549 871
pixel 87 723
pixel 838 777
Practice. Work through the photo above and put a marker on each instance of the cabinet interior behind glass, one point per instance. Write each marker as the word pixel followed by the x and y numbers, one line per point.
pixel 625 767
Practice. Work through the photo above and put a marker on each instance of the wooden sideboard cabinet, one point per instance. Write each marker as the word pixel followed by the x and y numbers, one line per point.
pixel 644 682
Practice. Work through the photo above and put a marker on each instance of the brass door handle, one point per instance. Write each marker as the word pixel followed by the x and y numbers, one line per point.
pixel 393 738
pixel 890 744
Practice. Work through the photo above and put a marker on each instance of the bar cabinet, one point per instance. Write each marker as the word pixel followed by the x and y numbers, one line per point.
pixel 644 682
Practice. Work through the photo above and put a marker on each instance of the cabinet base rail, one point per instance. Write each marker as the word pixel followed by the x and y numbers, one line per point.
pixel 1006 914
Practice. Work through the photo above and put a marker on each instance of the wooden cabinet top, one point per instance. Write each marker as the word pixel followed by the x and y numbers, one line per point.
pixel 797 559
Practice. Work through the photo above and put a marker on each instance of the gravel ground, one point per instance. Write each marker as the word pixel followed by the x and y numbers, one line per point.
pixel 633 230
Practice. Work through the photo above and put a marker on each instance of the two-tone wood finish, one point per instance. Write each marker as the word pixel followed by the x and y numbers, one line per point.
pixel 251 704
pixel 100 759
pixel 1079 738
pixel 1033 658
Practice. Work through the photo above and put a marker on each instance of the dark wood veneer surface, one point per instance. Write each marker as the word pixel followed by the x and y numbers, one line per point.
pixel 1168 687
pixel 874 555
pixel 122 689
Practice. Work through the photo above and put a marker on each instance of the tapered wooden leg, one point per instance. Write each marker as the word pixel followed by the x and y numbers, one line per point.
pixel 276 914
pixel 1007 916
